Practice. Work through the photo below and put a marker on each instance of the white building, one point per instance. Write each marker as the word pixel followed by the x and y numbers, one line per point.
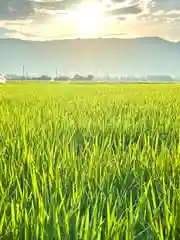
pixel 2 79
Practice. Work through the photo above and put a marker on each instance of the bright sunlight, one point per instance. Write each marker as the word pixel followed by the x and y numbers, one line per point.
pixel 88 18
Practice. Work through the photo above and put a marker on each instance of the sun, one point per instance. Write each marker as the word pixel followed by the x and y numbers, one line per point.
pixel 87 18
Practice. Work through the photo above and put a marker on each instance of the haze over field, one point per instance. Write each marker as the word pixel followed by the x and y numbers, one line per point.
pixel 97 56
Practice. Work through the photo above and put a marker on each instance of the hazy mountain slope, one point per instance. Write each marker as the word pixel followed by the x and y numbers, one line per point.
pixel 114 56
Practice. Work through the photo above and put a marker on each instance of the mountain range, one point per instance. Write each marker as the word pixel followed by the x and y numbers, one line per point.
pixel 113 56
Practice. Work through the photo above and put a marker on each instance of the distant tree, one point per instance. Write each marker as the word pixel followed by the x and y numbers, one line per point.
pixel 78 77
pixel 62 78
pixel 90 77
pixel 43 77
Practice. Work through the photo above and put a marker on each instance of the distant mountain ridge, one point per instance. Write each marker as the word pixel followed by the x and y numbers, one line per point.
pixel 113 56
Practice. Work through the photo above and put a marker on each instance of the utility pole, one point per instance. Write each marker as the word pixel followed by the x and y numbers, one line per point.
pixel 23 73
pixel 56 73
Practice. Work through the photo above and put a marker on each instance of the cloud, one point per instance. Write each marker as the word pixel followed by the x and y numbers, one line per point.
pixel 55 5
pixel 127 10
pixel 4 31
pixel 61 4
pixel 23 9
pixel 46 19
pixel 131 7
pixel 120 18
pixel 161 16
pixel 167 4
pixel 15 9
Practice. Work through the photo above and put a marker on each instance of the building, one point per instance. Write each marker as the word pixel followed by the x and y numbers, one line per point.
pixel 2 79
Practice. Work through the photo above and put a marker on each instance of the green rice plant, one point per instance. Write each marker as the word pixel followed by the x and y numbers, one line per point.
pixel 89 161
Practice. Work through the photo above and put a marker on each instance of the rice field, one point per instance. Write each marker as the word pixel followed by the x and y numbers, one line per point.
pixel 89 162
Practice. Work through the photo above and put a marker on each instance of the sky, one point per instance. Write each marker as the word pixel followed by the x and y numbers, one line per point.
pixel 63 19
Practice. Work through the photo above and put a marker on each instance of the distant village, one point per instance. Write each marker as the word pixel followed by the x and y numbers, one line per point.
pixel 91 77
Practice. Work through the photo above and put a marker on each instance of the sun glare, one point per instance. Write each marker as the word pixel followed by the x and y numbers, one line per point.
pixel 87 18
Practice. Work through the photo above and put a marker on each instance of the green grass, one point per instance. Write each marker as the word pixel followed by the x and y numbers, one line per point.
pixel 89 161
